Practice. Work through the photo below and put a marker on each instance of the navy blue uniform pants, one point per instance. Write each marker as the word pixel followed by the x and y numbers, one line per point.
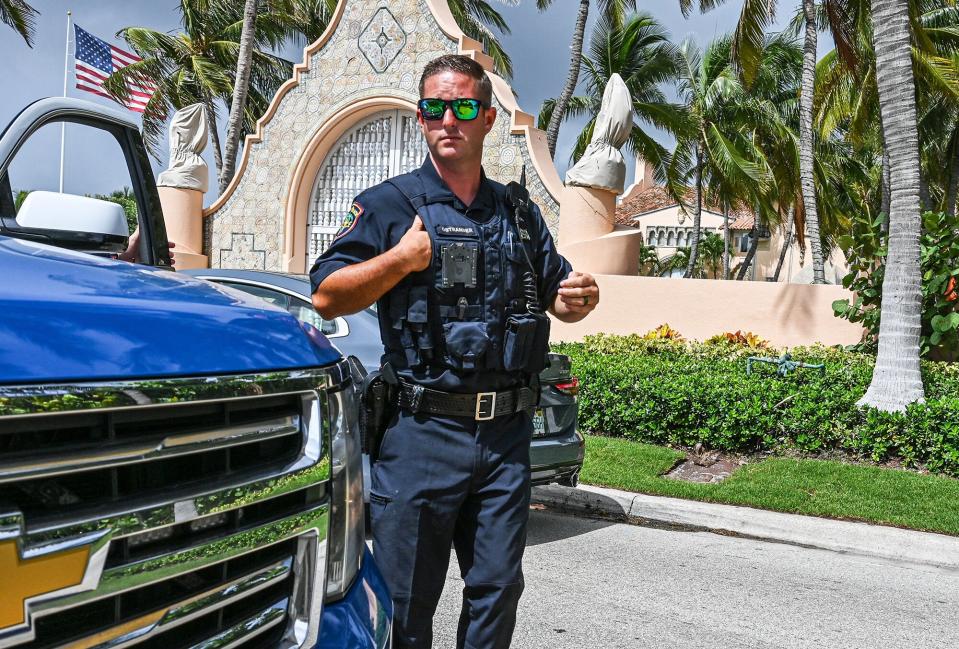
pixel 442 481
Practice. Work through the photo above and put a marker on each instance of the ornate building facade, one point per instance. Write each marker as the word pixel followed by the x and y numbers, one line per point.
pixel 346 121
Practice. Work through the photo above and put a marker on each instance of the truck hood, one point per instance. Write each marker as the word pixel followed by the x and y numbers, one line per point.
pixel 69 316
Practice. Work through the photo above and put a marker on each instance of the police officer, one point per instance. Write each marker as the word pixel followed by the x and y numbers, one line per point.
pixel 456 277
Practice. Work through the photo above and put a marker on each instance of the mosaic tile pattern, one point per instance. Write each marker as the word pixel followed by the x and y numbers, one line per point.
pixel 248 230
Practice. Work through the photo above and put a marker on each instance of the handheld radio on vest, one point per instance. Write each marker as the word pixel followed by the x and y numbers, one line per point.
pixel 527 337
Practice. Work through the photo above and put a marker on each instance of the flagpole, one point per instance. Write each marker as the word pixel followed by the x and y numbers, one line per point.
pixel 63 125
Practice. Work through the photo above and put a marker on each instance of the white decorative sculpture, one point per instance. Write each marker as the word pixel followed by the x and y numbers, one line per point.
pixel 182 185
pixel 602 165
pixel 187 137
pixel 588 235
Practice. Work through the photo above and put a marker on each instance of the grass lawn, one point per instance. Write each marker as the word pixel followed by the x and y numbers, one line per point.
pixel 814 487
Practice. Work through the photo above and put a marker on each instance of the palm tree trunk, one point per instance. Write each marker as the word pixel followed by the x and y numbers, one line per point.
pixel 241 87
pixel 576 59
pixel 214 136
pixel 896 380
pixel 806 173
pixel 751 254
pixel 886 185
pixel 725 240
pixel 697 216
pixel 786 243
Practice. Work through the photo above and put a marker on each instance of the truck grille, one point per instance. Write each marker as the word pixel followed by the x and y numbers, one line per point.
pixel 204 504
pixel 68 464
pixel 167 611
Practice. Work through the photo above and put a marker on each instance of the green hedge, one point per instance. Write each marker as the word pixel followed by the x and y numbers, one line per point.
pixel 679 393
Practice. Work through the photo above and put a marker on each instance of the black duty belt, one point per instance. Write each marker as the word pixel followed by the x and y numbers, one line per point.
pixel 481 406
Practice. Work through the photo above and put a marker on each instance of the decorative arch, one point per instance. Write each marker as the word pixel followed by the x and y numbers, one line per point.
pixel 308 165
pixel 337 84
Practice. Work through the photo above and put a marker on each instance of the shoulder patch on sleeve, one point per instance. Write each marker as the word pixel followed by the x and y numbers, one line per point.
pixel 349 221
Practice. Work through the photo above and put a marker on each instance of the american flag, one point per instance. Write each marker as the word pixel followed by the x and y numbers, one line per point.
pixel 96 60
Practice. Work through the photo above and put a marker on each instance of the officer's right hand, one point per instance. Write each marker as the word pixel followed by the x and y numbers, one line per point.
pixel 415 246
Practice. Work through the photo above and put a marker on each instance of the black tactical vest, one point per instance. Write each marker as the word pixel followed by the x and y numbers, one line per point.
pixel 465 312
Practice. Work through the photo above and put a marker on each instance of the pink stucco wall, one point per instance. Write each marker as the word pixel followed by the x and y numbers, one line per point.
pixel 785 314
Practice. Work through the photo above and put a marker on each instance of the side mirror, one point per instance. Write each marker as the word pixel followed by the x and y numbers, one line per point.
pixel 70 221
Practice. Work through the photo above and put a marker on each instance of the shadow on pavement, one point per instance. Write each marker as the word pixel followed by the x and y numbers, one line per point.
pixel 547 526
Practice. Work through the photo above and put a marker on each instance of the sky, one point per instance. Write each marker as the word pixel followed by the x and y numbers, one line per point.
pixel 538 45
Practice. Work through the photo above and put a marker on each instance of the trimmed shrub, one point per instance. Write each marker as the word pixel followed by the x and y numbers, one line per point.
pixel 678 393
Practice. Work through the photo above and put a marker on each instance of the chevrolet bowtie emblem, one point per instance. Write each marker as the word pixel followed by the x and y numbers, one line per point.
pixel 36 574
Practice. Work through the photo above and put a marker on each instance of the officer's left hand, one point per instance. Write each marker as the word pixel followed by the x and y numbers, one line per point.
pixel 579 292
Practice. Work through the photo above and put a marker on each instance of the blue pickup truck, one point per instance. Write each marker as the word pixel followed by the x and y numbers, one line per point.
pixel 179 462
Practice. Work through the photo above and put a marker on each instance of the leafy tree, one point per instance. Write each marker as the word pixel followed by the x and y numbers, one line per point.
pixel 241 88
pixel 638 50
pixel 479 20
pixel 199 65
pixel 613 12
pixel 866 252
pixel 21 16
pixel 649 261
pixel 721 155
pixel 712 248
pixel 748 45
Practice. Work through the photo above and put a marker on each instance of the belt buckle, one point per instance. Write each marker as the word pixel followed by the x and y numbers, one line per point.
pixel 484 401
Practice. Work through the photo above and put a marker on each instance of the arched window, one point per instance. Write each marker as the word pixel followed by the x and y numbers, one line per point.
pixel 651 237
pixel 377 148
pixel 671 239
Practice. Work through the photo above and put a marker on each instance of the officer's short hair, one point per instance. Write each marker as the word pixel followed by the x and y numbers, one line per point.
pixel 463 65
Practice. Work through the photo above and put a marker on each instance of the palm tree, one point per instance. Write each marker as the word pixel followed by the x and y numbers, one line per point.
pixel 21 16
pixel 787 242
pixel 648 261
pixel 847 103
pixel 614 12
pixel 721 154
pixel 638 50
pixel 896 380
pixel 806 141
pixel 478 19
pixel 747 48
pixel 712 246
pixel 199 64
pixel 241 87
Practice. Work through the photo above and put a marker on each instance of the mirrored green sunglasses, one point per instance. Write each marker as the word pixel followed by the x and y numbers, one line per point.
pixel 464 109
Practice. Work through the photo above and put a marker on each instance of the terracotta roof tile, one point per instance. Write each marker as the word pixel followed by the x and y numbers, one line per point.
pixel 655 198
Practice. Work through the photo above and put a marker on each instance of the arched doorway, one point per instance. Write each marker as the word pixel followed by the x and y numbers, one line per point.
pixel 382 145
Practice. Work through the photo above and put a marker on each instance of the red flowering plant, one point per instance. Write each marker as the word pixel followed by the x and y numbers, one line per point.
pixel 865 250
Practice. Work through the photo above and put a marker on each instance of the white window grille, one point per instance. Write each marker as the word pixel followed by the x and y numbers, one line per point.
pixel 384 145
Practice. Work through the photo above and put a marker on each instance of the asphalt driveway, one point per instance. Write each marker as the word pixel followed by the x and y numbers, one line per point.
pixel 593 583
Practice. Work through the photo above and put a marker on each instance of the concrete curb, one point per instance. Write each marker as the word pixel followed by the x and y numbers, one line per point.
pixel 860 539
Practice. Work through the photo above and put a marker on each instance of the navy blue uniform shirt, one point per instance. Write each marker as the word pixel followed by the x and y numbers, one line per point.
pixel 381 215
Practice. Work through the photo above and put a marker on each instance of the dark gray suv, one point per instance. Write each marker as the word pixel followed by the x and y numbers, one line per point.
pixel 556 453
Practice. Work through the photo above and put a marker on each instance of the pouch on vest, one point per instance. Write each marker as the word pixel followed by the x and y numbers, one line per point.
pixel 466 344
pixel 417 320
pixel 526 342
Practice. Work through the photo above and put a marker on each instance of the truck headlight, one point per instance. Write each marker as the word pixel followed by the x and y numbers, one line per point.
pixel 346 539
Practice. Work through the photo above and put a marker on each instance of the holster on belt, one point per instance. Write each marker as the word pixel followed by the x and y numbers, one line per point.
pixel 379 396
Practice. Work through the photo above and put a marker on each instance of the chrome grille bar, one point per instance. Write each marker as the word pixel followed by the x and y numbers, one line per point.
pixel 248 629
pixel 116 455
pixel 130 576
pixel 170 617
